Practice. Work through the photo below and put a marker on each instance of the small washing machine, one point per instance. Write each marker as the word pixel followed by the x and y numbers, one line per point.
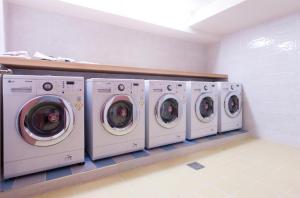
pixel 115 116
pixel 43 123
pixel 230 106
pixel 202 109
pixel 165 112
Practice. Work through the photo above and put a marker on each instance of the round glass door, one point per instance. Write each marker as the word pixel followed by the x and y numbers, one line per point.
pixel 232 105
pixel 168 111
pixel 205 108
pixel 45 120
pixel 120 115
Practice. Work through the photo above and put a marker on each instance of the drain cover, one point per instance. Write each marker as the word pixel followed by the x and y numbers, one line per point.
pixel 195 165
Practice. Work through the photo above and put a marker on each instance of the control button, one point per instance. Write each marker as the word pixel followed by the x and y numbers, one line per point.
pixel 169 87
pixel 232 87
pixel 47 86
pixel 205 87
pixel 121 87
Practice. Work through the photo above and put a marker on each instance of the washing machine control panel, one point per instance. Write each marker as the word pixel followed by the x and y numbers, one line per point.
pixel 204 87
pixel 133 88
pixel 233 87
pixel 121 87
pixel 47 86
pixel 39 87
pixel 129 87
pixel 19 86
pixel 58 87
pixel 170 87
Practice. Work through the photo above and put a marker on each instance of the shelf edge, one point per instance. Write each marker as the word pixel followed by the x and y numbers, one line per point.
pixel 21 63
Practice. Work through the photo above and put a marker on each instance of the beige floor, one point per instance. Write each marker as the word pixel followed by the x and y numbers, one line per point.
pixel 249 168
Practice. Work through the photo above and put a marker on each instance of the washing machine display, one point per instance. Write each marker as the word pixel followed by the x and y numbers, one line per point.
pixel 230 111
pixel 168 112
pixel 201 109
pixel 120 115
pixel 44 116
pixel 115 114
pixel 165 112
pixel 45 120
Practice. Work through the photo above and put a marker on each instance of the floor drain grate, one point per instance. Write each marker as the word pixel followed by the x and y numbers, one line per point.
pixel 195 165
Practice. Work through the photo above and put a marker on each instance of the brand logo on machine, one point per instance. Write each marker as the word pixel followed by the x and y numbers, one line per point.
pixel 68 157
pixel 10 81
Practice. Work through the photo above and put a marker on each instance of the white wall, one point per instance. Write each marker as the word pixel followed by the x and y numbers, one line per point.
pixel 266 59
pixel 2 40
pixel 59 35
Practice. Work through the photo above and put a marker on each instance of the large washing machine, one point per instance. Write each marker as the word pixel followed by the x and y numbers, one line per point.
pixel 165 112
pixel 230 106
pixel 43 123
pixel 115 116
pixel 202 109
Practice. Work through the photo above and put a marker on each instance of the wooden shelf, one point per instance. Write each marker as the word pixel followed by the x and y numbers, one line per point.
pixel 21 63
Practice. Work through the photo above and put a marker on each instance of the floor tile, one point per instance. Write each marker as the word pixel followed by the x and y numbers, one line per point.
pixel 245 168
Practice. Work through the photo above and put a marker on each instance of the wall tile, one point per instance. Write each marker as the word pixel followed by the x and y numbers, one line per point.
pixel 2 39
pixel 266 60
pixel 59 35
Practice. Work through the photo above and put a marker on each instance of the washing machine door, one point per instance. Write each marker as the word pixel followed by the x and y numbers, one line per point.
pixel 204 108
pixel 168 111
pixel 232 104
pixel 120 115
pixel 45 120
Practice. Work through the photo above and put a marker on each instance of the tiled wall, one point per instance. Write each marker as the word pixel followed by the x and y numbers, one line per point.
pixel 59 35
pixel 266 59
pixel 1 28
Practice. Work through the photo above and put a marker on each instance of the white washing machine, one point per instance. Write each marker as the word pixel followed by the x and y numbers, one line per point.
pixel 43 123
pixel 165 112
pixel 202 109
pixel 230 106
pixel 115 116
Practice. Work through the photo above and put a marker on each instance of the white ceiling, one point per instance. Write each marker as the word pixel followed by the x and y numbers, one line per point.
pixel 197 20
pixel 242 15
pixel 167 13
